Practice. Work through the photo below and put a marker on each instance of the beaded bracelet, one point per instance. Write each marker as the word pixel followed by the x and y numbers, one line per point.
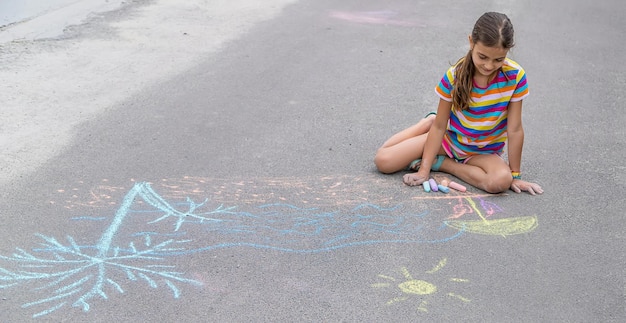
pixel 516 175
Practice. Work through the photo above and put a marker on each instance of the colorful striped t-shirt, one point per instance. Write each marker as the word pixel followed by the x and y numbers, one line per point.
pixel 481 129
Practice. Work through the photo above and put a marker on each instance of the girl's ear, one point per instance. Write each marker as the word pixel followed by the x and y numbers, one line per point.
pixel 471 43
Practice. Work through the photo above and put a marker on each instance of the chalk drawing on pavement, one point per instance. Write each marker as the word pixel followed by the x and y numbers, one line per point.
pixel 332 191
pixel 147 229
pixel 501 227
pixel 381 17
pixel 77 274
pixel 423 290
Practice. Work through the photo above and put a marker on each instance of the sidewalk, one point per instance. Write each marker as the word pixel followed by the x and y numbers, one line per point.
pixel 30 20
pixel 49 86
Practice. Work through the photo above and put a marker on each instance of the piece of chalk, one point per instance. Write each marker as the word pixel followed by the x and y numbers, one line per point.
pixel 457 186
pixel 433 185
pixel 426 186
pixel 444 182
pixel 443 189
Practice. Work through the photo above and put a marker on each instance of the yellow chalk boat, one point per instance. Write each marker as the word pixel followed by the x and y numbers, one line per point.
pixel 497 227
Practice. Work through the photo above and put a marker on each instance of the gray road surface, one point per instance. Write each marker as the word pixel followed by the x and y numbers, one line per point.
pixel 242 188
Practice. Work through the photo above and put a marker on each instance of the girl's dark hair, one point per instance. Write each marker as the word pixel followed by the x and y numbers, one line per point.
pixel 492 29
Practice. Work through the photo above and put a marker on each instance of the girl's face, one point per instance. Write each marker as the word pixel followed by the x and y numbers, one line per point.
pixel 487 60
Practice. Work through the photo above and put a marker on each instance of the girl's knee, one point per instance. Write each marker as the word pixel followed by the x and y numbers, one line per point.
pixel 384 162
pixel 498 183
pixel 431 118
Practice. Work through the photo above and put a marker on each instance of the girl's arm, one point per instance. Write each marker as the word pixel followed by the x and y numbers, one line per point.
pixel 515 135
pixel 435 135
pixel 433 143
pixel 515 144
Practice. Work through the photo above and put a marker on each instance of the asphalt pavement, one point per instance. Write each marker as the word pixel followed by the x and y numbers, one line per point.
pixel 243 188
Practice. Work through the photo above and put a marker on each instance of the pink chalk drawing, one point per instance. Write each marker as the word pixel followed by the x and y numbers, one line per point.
pixel 384 17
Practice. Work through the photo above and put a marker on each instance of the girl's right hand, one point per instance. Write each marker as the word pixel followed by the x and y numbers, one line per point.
pixel 414 179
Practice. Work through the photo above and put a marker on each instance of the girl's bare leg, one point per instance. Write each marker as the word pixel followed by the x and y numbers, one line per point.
pixel 397 157
pixel 487 172
pixel 420 128
pixel 404 147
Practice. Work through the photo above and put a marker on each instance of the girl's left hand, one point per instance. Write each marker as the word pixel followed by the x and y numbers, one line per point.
pixel 519 185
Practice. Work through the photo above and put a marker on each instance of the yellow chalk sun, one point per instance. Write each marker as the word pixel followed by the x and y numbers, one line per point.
pixel 411 286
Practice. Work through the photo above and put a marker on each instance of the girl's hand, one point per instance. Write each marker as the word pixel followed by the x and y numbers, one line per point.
pixel 414 179
pixel 519 185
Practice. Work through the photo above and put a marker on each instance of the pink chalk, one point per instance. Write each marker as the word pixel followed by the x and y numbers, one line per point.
pixel 457 186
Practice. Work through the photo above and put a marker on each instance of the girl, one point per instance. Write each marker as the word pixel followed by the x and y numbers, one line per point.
pixel 480 108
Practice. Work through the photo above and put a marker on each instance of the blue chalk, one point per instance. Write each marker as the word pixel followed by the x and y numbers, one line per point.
pixel 443 188
pixel 433 185
pixel 426 186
